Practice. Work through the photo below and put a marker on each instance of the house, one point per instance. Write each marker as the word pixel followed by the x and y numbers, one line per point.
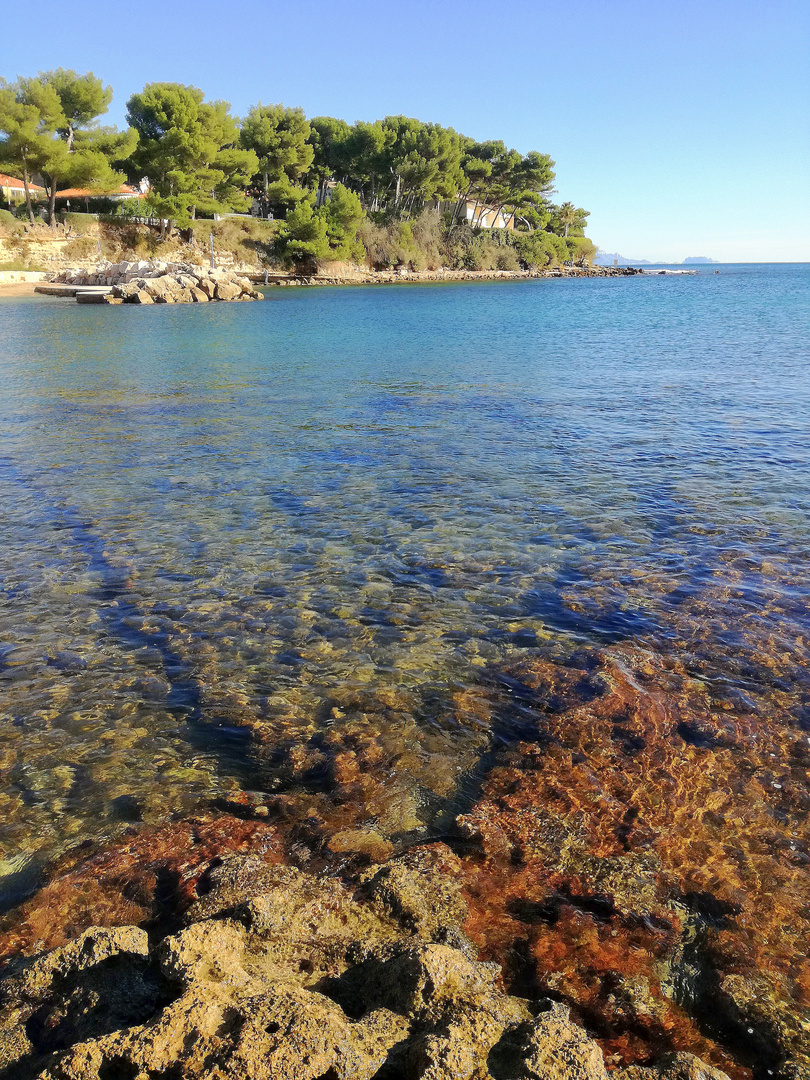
pixel 125 191
pixel 12 190
pixel 479 215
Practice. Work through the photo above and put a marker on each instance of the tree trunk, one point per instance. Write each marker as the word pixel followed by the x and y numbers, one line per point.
pixel 461 200
pixel 28 205
pixel 52 204
pixel 565 234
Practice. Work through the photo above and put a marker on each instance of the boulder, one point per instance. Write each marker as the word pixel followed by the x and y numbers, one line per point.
pixel 156 288
pixel 125 290
pixel 226 290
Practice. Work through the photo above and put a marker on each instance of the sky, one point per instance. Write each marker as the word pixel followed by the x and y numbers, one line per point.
pixel 683 126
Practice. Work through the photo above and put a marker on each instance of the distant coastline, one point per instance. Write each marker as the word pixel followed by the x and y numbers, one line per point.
pixel 613 258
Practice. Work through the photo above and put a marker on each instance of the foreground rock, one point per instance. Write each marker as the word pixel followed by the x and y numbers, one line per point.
pixel 163 283
pixel 274 972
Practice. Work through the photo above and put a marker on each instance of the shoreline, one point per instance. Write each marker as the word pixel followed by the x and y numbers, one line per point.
pixel 524 901
pixel 389 983
pixel 18 288
pixel 15 289
pixel 416 277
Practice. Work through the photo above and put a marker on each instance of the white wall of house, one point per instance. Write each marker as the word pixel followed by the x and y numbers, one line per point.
pixel 488 217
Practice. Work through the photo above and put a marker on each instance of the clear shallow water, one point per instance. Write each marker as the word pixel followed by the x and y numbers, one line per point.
pixel 232 534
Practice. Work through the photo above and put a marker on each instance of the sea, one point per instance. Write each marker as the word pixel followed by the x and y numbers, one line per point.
pixel 223 524
pixel 400 559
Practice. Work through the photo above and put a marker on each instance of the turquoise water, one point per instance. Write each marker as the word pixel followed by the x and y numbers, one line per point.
pixel 233 532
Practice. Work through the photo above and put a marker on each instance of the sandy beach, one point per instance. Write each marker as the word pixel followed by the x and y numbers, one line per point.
pixel 17 288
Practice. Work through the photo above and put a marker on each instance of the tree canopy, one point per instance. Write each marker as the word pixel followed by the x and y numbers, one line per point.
pixel 189 151
pixel 280 139
pixel 50 125
pixel 322 177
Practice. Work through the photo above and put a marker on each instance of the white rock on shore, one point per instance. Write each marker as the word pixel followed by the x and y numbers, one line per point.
pixel 156 282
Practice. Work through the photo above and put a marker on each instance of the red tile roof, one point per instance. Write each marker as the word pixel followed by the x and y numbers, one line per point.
pixel 81 193
pixel 13 182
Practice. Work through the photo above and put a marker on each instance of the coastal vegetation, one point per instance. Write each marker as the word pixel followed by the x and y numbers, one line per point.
pixel 392 192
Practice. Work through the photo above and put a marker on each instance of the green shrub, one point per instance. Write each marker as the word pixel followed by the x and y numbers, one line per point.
pixel 21 210
pixel 122 210
pixel 343 214
pixel 539 249
pixel 82 224
pixel 581 249
pixel 83 247
pixel 9 225
pixel 507 259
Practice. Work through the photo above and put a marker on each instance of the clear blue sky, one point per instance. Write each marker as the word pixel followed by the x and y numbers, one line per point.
pixel 682 125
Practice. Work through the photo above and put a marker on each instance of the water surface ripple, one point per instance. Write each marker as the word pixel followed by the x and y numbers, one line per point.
pixel 233 533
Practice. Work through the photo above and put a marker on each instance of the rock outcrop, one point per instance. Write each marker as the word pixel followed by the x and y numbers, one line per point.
pixel 155 282
pixel 275 972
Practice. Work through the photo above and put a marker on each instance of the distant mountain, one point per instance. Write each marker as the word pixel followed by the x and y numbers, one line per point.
pixel 608 258
pixel 698 259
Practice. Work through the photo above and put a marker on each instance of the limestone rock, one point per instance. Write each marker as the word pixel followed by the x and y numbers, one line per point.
pixel 295 976
pixel 432 981
pixel 32 979
pixel 207 950
pixel 125 290
pixel 163 282
pixel 97 983
pixel 156 288
pixel 674 1067
pixel 425 901
pixel 225 290
pixel 556 1049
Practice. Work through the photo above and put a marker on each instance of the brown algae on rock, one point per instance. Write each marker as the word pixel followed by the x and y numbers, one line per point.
pixel 304 979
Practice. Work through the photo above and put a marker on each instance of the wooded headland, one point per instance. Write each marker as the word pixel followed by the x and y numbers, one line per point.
pixel 393 193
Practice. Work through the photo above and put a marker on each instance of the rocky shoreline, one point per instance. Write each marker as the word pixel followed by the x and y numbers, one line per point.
pixel 267 970
pixel 153 282
pixel 358 276
pixel 156 283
